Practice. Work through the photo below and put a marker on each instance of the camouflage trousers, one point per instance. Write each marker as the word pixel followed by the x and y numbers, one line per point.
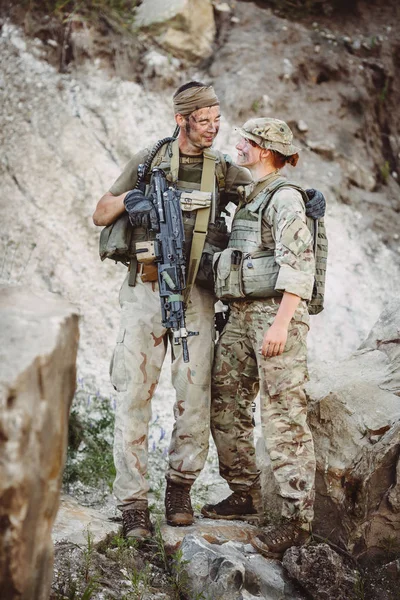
pixel 135 370
pixel 239 372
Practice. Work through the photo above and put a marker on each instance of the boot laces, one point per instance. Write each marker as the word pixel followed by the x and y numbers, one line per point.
pixel 178 497
pixel 235 499
pixel 135 518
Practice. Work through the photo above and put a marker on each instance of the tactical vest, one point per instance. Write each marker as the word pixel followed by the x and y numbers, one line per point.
pixel 118 240
pixel 247 268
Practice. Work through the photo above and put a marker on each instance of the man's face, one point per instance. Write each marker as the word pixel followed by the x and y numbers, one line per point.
pixel 248 153
pixel 202 126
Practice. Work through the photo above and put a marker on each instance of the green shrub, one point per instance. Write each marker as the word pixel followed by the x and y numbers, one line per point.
pixel 90 439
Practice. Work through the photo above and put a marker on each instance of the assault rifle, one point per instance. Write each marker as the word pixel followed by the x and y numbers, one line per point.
pixel 168 252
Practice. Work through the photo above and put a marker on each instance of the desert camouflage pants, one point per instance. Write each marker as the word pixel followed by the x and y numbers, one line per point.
pixel 135 370
pixel 239 372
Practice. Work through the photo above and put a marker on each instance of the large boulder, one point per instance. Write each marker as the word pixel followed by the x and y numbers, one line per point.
pixel 186 28
pixel 38 345
pixel 354 414
pixel 233 570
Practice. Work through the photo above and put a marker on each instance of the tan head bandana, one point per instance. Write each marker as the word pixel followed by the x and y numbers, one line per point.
pixel 194 98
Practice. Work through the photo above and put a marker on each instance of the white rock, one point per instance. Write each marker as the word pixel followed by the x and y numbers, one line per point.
pixel 302 126
pixel 186 28
pixel 222 7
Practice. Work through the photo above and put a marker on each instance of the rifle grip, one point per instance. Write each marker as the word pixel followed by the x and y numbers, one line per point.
pixel 185 351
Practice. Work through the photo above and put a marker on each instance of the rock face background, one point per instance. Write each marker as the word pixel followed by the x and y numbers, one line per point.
pixel 78 100
pixel 39 341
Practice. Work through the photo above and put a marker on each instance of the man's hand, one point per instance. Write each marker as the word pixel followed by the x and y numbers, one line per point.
pixel 274 340
pixel 141 210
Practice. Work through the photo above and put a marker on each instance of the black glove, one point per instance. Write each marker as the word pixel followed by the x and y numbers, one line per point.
pixel 315 207
pixel 141 210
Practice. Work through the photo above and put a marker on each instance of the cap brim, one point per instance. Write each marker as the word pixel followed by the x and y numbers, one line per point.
pixel 285 149
pixel 249 136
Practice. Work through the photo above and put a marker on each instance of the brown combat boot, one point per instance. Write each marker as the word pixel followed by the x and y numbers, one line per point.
pixel 240 505
pixel 276 539
pixel 178 507
pixel 136 522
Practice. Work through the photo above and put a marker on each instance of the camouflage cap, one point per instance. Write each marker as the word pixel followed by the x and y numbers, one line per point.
pixel 269 133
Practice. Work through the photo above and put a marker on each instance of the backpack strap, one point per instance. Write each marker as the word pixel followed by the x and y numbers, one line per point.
pixel 220 171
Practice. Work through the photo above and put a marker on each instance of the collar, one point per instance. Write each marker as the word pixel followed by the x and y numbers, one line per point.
pixel 253 189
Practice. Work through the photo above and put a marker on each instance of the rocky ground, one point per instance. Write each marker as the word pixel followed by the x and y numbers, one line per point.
pixel 72 117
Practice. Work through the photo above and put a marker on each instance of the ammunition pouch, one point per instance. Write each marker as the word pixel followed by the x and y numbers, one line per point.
pixel 116 240
pixel 217 239
pixel 227 267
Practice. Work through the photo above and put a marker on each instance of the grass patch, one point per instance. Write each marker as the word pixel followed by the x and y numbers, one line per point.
pixel 118 11
pixel 90 444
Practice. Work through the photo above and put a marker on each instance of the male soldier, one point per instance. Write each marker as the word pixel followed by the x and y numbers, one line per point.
pixel 141 344
pixel 267 275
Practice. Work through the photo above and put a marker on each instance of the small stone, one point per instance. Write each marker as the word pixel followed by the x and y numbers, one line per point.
pixel 302 126
pixel 394 175
pixel 222 7
pixel 325 149
pixel 287 68
pixel 235 20
pixel 317 49
pixel 266 100
pixel 52 43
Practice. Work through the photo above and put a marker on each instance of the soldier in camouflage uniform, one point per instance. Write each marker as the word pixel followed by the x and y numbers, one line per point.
pixel 142 340
pixel 266 275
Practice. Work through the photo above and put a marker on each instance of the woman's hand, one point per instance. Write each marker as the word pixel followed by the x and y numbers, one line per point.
pixel 274 340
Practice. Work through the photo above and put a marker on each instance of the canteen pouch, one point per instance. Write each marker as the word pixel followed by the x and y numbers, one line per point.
pixel 227 267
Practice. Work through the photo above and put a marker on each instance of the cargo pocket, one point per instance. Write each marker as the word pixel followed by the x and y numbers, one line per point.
pixel 117 364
